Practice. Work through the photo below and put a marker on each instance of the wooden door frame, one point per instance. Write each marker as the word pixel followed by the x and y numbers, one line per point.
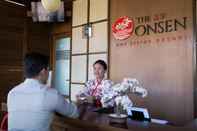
pixel 52 55
pixel 194 3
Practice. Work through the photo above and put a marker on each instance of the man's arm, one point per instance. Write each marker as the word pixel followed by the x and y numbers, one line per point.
pixel 66 108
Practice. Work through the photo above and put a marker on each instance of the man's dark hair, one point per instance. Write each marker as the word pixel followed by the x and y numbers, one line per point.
pixel 34 63
pixel 102 63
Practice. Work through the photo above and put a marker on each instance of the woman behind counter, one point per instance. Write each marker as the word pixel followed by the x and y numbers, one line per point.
pixel 94 89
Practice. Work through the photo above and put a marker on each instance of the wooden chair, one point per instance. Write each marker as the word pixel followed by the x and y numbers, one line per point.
pixel 4 123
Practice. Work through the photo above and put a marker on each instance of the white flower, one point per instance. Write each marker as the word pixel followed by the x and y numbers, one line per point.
pixel 120 92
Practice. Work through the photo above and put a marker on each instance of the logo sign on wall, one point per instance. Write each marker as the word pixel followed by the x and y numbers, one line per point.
pixel 159 25
pixel 123 28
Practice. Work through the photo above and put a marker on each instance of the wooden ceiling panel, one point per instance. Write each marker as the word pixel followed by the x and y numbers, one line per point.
pixel 24 1
pixel 19 1
pixel 27 3
pixel 68 3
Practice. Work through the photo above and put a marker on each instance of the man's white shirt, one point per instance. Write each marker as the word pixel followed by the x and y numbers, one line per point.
pixel 31 106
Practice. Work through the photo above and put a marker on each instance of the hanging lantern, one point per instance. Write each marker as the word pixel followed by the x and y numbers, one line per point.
pixel 51 5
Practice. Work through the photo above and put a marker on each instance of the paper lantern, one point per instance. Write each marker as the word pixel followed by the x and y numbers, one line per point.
pixel 51 5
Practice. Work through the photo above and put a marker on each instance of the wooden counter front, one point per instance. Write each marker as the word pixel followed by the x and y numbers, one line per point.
pixel 93 121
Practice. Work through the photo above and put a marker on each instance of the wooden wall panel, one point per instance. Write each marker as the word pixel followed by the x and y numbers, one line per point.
pixel 12 27
pixel 11 49
pixel 98 10
pixel 165 69
pixel 78 75
pixel 80 14
pixel 11 10
pixel 18 35
pixel 62 28
pixel 79 44
pixel 195 39
pixel 9 77
pixel 38 37
pixel 11 33
pixel 99 40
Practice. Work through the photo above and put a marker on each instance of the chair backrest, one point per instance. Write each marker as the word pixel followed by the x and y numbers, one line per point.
pixel 4 123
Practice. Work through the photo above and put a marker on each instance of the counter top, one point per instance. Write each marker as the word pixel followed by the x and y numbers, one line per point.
pixel 94 121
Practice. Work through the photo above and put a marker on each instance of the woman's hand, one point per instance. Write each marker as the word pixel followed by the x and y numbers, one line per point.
pixel 81 100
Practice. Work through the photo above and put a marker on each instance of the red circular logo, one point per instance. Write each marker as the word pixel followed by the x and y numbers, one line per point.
pixel 122 28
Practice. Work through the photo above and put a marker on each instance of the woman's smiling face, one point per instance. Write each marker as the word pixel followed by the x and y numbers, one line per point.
pixel 99 71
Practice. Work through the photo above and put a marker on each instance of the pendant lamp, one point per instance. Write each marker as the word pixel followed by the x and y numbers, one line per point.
pixel 51 5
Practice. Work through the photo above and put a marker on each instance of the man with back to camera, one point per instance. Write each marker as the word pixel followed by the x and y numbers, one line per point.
pixel 31 104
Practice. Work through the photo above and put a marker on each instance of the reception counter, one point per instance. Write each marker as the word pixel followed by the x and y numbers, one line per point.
pixel 93 121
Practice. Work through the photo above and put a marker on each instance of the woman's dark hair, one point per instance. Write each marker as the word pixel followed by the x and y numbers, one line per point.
pixel 101 62
pixel 34 63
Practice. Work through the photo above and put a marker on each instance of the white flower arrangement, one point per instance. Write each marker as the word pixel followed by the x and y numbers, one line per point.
pixel 119 93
